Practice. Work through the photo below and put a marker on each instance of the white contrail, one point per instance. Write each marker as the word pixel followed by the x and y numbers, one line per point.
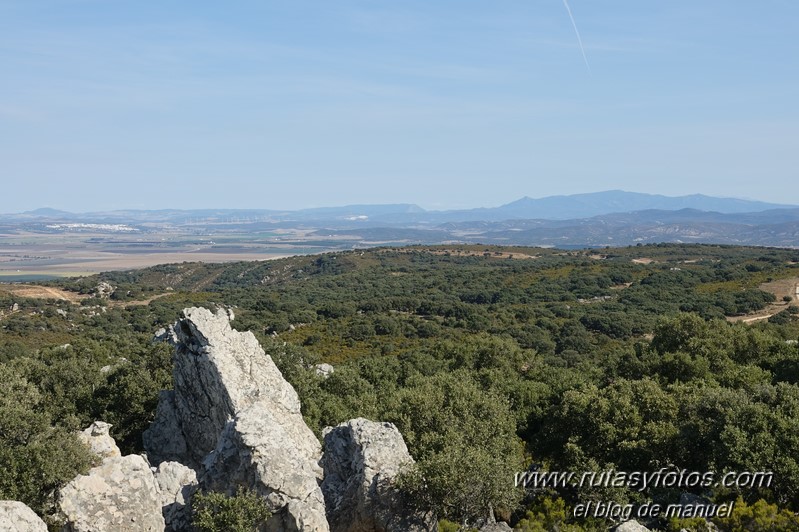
pixel 577 32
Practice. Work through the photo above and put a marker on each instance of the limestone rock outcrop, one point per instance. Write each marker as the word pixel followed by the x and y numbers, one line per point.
pixel 163 335
pixel 164 440
pixel 120 494
pixel 98 438
pixel 265 452
pixel 124 493
pixel 176 484
pixel 17 517
pixel 362 459
pixel 235 422
pixel 631 526
pixel 496 527
pixel 104 290
pixel 219 372
pixel 239 421
pixel 324 370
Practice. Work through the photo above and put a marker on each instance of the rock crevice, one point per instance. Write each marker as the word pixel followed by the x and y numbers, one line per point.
pixel 361 463
pixel 235 420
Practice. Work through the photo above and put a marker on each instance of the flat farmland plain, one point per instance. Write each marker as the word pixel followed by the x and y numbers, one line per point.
pixel 30 255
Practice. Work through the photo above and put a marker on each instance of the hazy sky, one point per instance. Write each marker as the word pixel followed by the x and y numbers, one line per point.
pixel 447 103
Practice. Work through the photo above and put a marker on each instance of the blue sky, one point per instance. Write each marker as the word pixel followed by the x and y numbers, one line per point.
pixel 447 104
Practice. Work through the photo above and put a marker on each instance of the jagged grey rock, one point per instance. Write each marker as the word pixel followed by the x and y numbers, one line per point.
pixel 324 370
pixel 164 440
pixel 176 483
pixel 164 335
pixel 265 451
pixel 120 494
pixel 631 526
pixel 99 440
pixel 496 527
pixel 362 459
pixel 240 421
pixel 218 372
pixel 104 290
pixel 17 517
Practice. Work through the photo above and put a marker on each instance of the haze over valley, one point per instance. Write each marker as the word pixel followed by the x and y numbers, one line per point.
pixel 50 243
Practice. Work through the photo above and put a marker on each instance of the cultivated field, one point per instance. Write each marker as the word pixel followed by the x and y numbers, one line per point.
pixel 31 256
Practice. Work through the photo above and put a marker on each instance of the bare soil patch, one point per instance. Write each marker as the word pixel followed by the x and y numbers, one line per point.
pixel 780 288
pixel 43 292
pixel 47 292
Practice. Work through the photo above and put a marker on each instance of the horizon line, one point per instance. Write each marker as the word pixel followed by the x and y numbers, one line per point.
pixel 379 204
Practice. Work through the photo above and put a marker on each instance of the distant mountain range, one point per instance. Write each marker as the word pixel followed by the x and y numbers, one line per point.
pixel 613 201
pixel 595 219
pixel 548 208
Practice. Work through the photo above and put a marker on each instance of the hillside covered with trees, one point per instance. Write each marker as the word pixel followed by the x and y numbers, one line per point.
pixel 491 361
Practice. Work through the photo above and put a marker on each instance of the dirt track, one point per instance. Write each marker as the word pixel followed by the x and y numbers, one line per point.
pixel 46 292
pixel 138 302
pixel 43 292
pixel 780 289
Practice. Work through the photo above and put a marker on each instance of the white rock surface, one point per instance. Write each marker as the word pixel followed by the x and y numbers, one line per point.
pixel 176 483
pixel 239 420
pixel 17 517
pixel 104 290
pixel 98 438
pixel 120 495
pixel 275 456
pixel 324 370
pixel 218 372
pixel 164 440
pixel 631 526
pixel 362 459
pixel 496 527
